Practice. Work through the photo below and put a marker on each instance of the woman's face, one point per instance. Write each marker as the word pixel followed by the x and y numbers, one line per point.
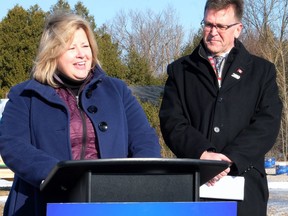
pixel 76 61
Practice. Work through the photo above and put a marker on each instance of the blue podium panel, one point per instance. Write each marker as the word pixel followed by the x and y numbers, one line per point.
pixel 143 209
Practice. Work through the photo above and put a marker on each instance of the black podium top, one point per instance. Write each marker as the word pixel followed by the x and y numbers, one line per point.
pixel 65 171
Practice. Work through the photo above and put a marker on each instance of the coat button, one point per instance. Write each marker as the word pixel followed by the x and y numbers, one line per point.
pixel 103 126
pixel 216 129
pixel 92 109
pixel 220 100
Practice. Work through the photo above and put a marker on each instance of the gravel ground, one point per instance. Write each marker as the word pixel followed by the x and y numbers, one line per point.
pixel 278 199
pixel 278 203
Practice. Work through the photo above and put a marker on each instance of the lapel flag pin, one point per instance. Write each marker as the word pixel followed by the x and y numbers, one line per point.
pixel 236 76
pixel 239 70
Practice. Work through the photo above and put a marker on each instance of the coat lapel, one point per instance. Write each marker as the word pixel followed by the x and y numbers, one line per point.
pixel 236 68
pixel 233 76
pixel 203 70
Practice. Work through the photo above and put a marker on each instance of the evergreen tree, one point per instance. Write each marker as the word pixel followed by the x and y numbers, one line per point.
pixel 109 55
pixel 138 68
pixel 60 6
pixel 81 10
pixel 20 33
pixel 190 46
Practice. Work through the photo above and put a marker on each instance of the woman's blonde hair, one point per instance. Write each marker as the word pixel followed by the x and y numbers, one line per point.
pixel 57 34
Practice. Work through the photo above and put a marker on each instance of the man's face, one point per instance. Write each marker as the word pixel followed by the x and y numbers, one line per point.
pixel 220 28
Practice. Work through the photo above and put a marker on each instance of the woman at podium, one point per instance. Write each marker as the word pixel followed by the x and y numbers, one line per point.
pixel 69 110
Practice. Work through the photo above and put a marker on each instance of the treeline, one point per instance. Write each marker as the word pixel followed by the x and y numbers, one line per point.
pixel 137 47
pixel 139 58
pixel 20 35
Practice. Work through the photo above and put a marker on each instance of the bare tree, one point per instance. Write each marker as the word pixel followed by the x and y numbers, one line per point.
pixel 265 24
pixel 158 37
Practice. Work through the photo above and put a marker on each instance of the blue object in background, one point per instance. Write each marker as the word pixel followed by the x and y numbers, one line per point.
pixel 281 168
pixel 270 162
pixel 143 209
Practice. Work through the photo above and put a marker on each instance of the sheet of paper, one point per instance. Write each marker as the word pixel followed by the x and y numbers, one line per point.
pixel 228 188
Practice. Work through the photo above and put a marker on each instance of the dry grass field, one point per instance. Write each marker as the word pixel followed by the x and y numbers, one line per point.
pixel 2 193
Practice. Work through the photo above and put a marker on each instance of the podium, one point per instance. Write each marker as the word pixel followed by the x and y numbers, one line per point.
pixel 143 209
pixel 129 180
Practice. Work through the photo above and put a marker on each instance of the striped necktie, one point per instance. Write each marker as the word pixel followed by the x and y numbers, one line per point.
pixel 218 62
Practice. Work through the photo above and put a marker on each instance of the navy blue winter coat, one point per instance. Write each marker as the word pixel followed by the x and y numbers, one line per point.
pixel 34 133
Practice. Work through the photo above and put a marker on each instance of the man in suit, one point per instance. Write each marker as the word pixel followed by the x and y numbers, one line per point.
pixel 226 109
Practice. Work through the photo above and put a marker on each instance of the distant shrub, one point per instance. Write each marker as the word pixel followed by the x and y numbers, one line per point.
pixel 152 112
